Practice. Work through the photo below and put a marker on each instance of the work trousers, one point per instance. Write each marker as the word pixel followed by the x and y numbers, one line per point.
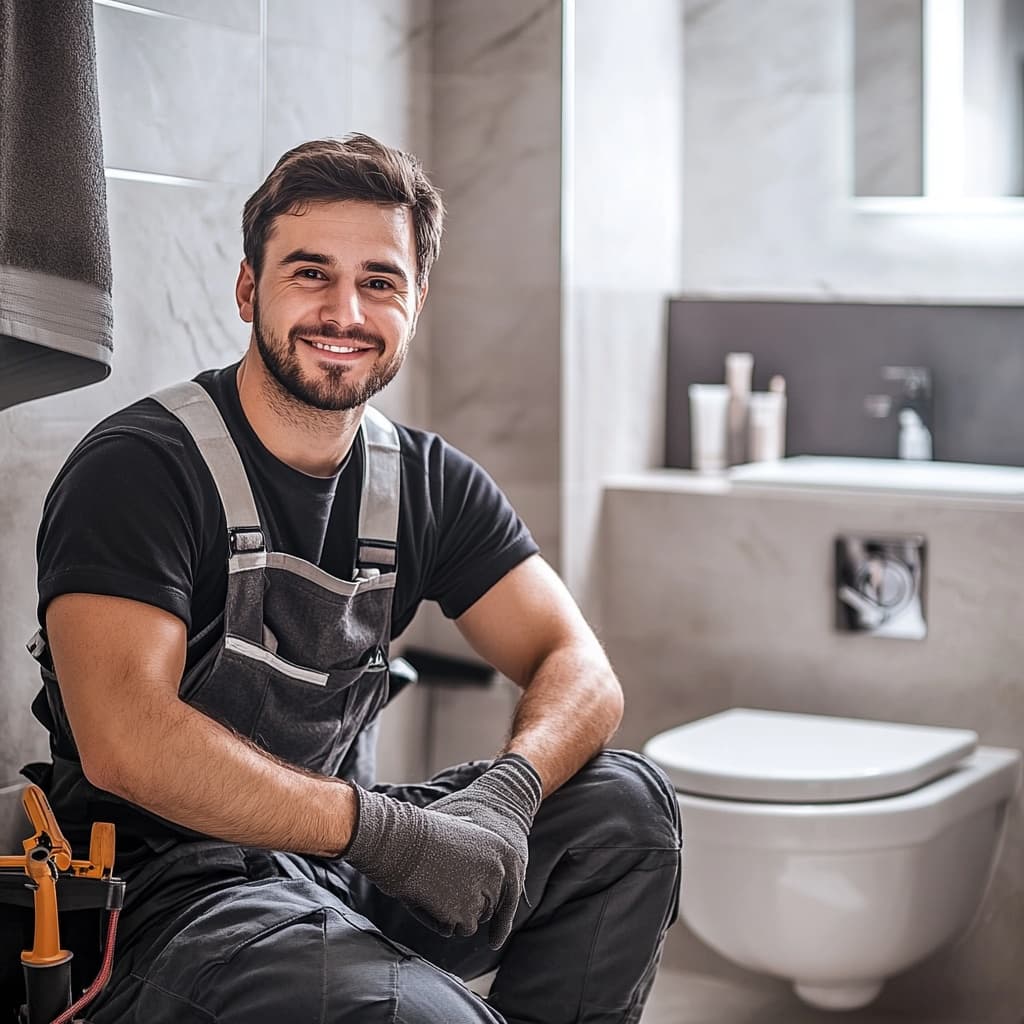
pixel 219 933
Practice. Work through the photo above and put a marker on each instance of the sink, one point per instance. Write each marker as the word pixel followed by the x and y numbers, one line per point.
pixel 833 472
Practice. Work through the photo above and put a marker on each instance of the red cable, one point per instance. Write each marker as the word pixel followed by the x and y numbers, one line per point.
pixel 101 979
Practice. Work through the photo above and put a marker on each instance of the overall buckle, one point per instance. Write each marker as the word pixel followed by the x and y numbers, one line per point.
pixel 245 540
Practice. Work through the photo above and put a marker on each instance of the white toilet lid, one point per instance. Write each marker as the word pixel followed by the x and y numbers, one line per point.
pixel 743 754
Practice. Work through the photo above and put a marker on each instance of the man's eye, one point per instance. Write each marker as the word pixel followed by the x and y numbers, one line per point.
pixel 312 274
pixel 379 284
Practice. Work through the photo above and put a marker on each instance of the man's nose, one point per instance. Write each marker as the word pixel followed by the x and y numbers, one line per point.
pixel 343 304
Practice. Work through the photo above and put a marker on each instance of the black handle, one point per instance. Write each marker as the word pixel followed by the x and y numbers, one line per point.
pixel 436 669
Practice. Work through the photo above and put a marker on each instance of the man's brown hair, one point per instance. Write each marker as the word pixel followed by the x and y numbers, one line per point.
pixel 354 167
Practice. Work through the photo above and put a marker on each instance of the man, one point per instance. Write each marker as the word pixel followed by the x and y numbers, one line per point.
pixel 222 568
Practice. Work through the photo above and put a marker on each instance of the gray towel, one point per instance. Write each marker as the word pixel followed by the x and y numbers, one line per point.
pixel 56 317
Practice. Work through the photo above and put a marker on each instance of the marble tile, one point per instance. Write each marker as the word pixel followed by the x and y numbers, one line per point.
pixel 402 743
pixel 14 824
pixel 368 65
pixel 455 723
pixel 27 470
pixel 395 107
pixel 499 38
pixel 495 375
pixel 496 157
pixel 787 46
pixel 538 506
pixel 296 71
pixel 627 182
pixel 753 204
pixel 238 14
pixel 613 394
pixel 468 723
pixel 325 24
pixel 389 35
pixel 176 253
pixel 178 97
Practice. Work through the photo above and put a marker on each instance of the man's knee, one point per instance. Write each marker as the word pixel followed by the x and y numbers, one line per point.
pixel 425 995
pixel 629 796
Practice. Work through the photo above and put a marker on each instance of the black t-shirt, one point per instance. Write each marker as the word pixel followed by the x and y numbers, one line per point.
pixel 135 513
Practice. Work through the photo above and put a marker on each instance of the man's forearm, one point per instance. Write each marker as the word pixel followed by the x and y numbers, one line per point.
pixel 187 768
pixel 569 710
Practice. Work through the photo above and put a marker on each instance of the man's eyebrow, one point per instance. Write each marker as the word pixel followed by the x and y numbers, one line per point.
pixel 303 256
pixel 384 267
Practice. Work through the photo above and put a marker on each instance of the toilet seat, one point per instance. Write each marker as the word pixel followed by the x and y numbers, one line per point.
pixel 780 757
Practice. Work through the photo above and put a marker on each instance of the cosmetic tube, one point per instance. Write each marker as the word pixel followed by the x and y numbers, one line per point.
pixel 709 409
pixel 767 426
pixel 739 368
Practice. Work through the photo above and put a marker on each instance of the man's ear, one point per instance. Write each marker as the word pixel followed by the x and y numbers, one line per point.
pixel 245 292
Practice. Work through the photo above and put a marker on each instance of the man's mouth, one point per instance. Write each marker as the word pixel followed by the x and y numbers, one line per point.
pixel 343 350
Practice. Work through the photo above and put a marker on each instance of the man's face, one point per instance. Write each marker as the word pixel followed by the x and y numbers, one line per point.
pixel 336 302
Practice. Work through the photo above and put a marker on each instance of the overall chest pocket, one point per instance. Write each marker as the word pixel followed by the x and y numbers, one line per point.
pixel 307 717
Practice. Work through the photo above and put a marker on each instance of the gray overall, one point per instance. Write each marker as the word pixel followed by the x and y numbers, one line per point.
pixel 214 932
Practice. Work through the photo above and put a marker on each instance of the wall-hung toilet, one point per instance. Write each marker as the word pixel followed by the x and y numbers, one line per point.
pixel 832 852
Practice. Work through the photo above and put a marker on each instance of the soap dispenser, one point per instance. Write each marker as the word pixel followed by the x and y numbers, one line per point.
pixel 915 437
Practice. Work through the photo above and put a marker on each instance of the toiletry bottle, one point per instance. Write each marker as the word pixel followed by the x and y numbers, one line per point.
pixel 915 437
pixel 768 422
pixel 709 418
pixel 739 369
pixel 777 386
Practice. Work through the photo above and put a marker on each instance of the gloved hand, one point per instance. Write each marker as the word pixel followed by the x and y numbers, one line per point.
pixel 503 801
pixel 459 862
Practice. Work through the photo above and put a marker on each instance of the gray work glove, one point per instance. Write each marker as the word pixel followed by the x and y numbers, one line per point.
pixel 459 862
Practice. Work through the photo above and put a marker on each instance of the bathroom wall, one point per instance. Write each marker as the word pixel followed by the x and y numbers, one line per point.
pixel 832 355
pixel 768 169
pixel 494 367
pixel 714 600
pixel 198 100
pixel 710 600
pixel 622 214
pixel 494 375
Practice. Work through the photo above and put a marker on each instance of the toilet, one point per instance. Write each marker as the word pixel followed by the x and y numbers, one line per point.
pixel 833 852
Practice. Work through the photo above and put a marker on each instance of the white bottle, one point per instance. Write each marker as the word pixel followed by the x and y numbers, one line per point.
pixel 767 426
pixel 915 437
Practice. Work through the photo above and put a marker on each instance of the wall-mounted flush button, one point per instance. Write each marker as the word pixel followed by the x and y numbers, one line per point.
pixel 880 586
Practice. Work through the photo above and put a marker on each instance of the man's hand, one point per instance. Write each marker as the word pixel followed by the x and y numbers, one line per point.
pixel 459 862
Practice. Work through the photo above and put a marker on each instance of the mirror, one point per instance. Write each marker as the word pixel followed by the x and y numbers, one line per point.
pixel 938 98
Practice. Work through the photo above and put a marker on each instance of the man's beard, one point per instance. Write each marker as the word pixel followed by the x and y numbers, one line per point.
pixel 332 392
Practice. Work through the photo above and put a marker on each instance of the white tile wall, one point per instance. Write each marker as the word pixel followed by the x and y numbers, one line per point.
pixel 240 14
pixel 768 173
pixel 495 368
pixel 623 258
pixel 178 96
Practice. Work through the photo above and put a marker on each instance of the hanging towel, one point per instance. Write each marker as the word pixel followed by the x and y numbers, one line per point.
pixel 56 317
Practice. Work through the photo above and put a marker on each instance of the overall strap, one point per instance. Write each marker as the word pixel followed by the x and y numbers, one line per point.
pixel 192 404
pixel 382 483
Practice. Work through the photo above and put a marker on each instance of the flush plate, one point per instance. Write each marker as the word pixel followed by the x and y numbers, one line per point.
pixel 879 586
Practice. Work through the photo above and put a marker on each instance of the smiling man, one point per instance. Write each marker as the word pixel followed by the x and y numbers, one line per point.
pixel 222 569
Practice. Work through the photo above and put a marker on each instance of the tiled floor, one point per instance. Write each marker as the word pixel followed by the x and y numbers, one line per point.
pixel 680 997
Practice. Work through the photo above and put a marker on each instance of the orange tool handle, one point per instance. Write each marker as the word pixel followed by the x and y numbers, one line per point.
pixel 45 951
pixel 47 830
